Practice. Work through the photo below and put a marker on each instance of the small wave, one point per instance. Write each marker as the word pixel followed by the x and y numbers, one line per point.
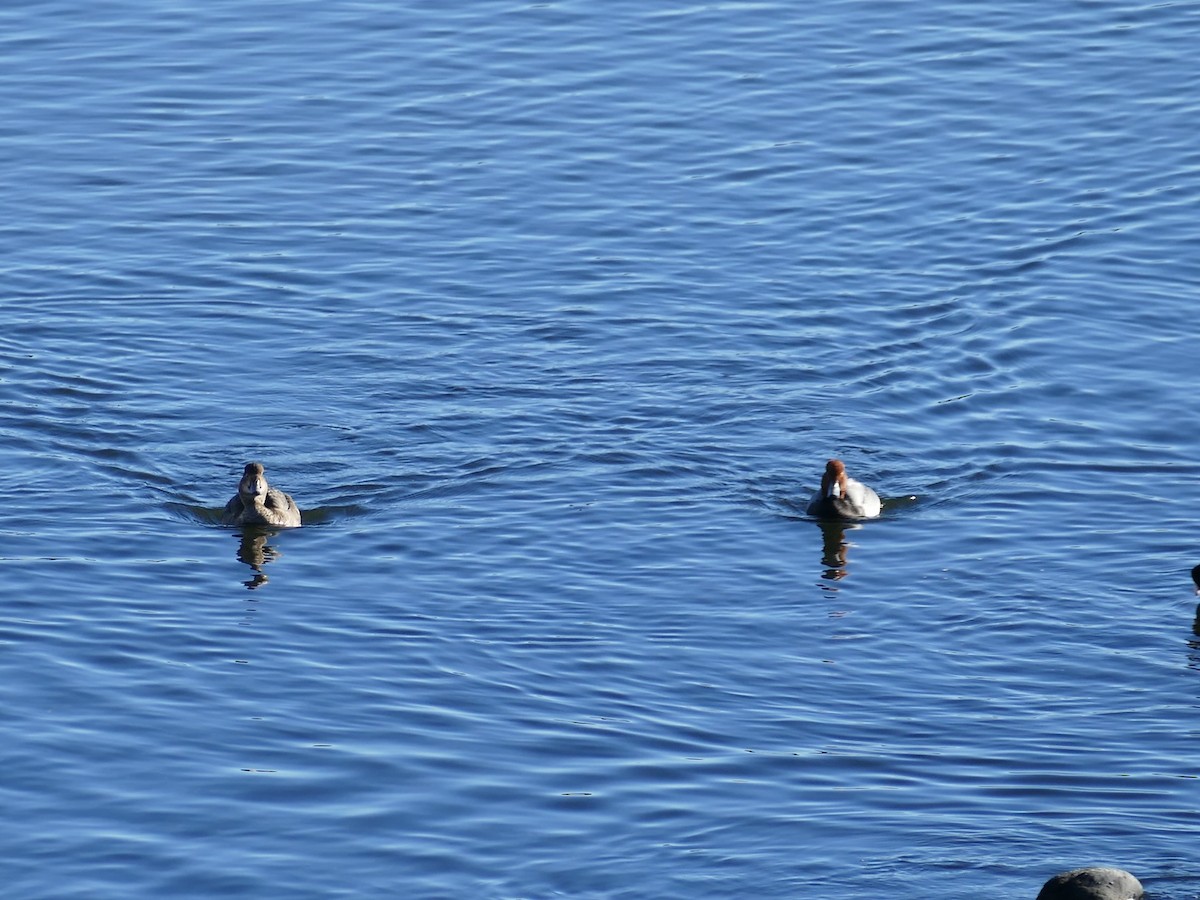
pixel 211 515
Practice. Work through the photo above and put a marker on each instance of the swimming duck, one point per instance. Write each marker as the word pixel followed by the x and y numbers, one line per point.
pixel 841 497
pixel 257 503
pixel 1094 883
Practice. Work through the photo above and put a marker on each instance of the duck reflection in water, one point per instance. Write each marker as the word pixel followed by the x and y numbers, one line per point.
pixel 254 551
pixel 834 550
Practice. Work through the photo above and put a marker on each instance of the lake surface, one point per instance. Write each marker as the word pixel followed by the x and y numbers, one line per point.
pixel 549 316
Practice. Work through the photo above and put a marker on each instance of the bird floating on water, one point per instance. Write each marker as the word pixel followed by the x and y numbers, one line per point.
pixel 257 503
pixel 841 497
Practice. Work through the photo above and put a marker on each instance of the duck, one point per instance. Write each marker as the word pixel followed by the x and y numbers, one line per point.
pixel 1196 577
pixel 1092 883
pixel 257 503
pixel 841 497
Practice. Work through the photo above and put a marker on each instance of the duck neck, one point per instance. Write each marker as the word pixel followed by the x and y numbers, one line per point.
pixel 254 501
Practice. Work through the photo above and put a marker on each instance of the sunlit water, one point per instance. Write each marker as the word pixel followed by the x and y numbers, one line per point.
pixel 549 317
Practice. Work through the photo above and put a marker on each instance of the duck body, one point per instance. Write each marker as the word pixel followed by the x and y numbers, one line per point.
pixel 257 503
pixel 841 497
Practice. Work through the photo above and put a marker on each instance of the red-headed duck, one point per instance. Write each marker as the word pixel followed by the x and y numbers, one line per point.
pixel 257 503
pixel 841 497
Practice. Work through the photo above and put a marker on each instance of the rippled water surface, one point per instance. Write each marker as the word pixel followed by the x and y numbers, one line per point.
pixel 549 316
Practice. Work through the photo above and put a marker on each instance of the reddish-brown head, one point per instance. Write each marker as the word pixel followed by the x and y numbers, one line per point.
pixel 835 475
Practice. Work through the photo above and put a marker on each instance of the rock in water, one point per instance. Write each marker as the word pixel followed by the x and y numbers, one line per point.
pixel 1093 883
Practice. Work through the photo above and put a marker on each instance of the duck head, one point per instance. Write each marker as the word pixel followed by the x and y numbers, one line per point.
pixel 833 482
pixel 253 486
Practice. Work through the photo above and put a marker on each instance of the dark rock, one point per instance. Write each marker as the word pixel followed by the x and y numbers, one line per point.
pixel 1094 883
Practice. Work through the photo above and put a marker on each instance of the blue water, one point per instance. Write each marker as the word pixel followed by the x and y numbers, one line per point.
pixel 549 316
